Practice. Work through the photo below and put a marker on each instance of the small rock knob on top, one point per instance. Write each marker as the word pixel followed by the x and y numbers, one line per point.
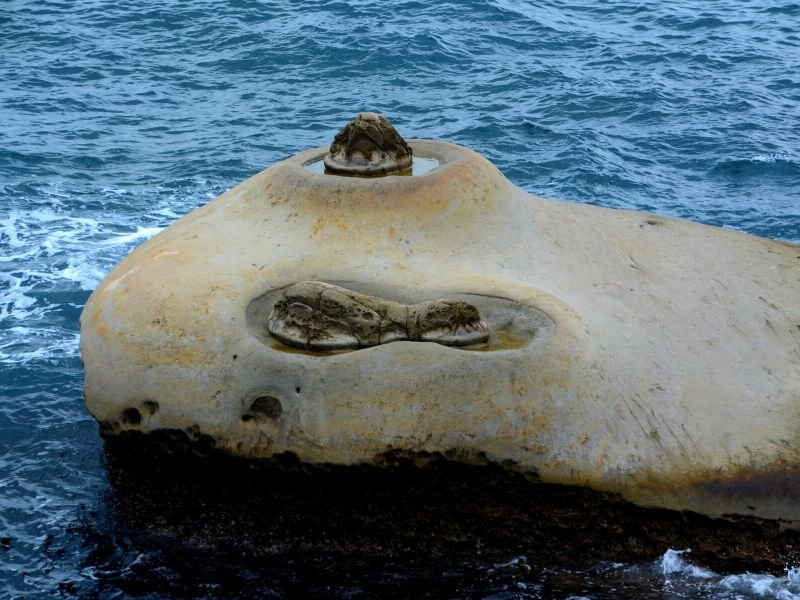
pixel 368 145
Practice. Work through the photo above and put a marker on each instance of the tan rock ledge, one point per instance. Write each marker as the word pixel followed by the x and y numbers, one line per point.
pixel 633 354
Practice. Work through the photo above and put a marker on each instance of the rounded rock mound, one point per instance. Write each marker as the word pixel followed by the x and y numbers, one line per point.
pixel 633 354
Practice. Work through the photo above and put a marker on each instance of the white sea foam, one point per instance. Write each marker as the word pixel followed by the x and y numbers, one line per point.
pixel 681 575
pixel 771 157
pixel 673 562
pixel 768 586
pixel 141 234
pixel 14 303
pixel 48 253
pixel 22 345
pixel 86 274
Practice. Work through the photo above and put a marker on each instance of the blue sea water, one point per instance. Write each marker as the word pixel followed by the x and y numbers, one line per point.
pixel 118 117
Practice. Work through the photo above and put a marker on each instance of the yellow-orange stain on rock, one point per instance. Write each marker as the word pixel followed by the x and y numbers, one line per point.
pixel 341 223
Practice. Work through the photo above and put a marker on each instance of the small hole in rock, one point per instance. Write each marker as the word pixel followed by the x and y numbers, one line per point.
pixel 266 406
pixel 297 389
pixel 131 416
pixel 235 356
pixel 151 406
pixel 247 418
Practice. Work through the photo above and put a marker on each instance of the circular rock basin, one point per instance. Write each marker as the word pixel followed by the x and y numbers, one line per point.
pixel 419 166
pixel 511 325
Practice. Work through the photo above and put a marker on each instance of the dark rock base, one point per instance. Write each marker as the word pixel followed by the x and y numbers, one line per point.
pixel 422 510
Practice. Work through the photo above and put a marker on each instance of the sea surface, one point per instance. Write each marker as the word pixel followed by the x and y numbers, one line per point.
pixel 118 117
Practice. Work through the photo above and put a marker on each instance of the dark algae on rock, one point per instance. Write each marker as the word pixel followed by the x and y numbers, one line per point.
pixel 413 509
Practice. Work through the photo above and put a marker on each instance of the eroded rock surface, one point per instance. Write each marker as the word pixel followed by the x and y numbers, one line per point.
pixel 368 145
pixel 319 316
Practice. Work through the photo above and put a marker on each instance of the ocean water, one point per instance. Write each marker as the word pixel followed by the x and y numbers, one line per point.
pixel 118 117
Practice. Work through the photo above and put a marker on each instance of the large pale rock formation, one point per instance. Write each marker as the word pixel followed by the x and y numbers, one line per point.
pixel 634 354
